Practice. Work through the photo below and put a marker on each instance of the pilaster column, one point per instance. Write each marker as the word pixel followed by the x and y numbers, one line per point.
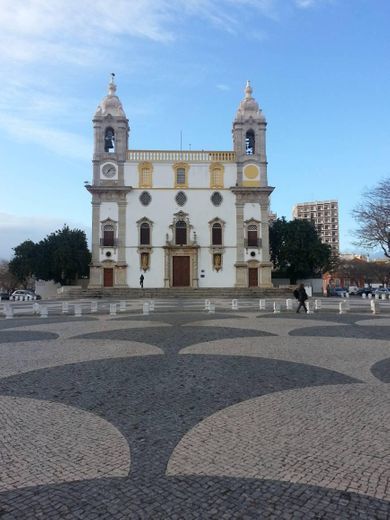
pixel 121 271
pixel 122 204
pixel 240 230
pixel 95 231
pixel 166 267
pixel 264 231
pixel 240 265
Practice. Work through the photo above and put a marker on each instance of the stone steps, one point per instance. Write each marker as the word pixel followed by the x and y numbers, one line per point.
pixel 180 292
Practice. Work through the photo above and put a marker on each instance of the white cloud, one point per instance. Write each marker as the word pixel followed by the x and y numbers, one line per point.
pixel 223 87
pixel 304 4
pixel 61 142
pixel 16 229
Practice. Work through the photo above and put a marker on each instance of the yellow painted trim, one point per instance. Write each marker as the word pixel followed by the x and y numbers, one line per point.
pixel 251 171
pixel 216 183
pixel 251 184
pixel 141 181
pixel 186 168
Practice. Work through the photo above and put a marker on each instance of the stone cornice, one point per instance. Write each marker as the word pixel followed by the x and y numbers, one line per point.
pixel 242 190
pixel 93 189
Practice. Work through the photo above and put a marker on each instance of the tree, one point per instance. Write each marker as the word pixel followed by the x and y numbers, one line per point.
pixel 62 256
pixel 23 264
pixel 296 250
pixel 360 270
pixel 8 281
pixel 373 218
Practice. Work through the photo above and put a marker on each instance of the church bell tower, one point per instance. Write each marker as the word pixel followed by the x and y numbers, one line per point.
pixel 109 193
pixel 252 192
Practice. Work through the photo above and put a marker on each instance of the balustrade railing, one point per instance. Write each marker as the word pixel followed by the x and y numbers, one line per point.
pixel 178 156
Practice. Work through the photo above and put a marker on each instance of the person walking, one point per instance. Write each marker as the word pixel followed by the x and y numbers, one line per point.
pixel 301 295
pixel 141 281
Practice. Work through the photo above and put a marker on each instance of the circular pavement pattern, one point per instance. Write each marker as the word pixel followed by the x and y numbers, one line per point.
pixel 269 416
pixel 334 437
pixel 45 443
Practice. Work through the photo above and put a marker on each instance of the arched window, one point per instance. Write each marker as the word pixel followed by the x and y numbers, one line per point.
pixel 108 235
pixel 181 233
pixel 250 142
pixel 109 140
pixel 144 238
pixel 252 235
pixel 216 234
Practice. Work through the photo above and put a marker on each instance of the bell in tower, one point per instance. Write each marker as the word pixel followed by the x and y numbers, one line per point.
pixel 249 128
pixel 111 126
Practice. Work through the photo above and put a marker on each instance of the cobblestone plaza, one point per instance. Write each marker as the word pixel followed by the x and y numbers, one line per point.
pixel 184 414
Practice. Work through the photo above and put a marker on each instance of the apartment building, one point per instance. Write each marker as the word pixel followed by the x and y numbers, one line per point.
pixel 325 216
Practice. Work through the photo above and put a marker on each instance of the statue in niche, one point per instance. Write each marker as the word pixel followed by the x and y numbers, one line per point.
pixel 217 261
pixel 145 261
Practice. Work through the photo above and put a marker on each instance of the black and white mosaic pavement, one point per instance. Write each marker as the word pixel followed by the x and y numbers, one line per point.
pixel 195 415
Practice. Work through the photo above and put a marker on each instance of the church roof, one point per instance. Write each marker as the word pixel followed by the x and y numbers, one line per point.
pixel 249 107
pixel 110 104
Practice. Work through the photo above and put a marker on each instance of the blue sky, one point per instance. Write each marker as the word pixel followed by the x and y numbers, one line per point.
pixel 319 69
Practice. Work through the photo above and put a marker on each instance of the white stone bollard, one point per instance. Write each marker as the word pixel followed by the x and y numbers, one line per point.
pixel 364 295
pixel 317 305
pixel 122 306
pixel 289 304
pixel 276 308
pixel 9 312
pixel 234 305
pixel 145 308
pixel 309 308
pixel 36 308
pixel 94 307
pixel 65 307
pixel 151 305
pixel 77 310
pixel 375 307
pixel 44 311
pixel 383 296
pixel 377 296
pixel 212 308
pixel 347 294
pixel 112 309
pixel 342 308
pixel 207 304
pixel 262 305
pixel 369 296
pixel 347 305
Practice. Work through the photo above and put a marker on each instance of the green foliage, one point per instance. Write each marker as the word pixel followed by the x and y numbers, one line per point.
pixel 62 256
pixel 296 250
pixel 23 264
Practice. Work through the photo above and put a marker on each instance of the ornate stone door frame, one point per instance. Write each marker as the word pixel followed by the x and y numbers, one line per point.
pixel 169 252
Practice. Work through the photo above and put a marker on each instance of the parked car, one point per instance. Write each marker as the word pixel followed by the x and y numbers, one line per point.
pixel 25 294
pixel 353 289
pixel 4 296
pixel 364 290
pixel 383 290
pixel 338 291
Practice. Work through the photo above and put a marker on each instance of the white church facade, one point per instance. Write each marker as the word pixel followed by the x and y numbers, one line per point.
pixel 181 218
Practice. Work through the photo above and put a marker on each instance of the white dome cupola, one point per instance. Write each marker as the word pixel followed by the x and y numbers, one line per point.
pixel 111 126
pixel 110 104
